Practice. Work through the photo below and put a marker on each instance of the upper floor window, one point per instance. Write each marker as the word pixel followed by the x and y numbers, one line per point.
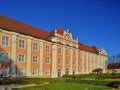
pixel 67 62
pixel 21 58
pixel 35 46
pixel 59 50
pixel 74 53
pixel 47 49
pixel 5 41
pixel 47 60
pixel 67 52
pixel 74 62
pixel 21 43
pixel 4 56
pixel 59 61
pixel 35 59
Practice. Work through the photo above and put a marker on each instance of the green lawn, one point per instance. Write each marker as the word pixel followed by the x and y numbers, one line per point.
pixel 75 86
pixel 67 86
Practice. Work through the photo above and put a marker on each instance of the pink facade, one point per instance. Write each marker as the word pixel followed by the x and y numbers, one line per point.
pixel 32 52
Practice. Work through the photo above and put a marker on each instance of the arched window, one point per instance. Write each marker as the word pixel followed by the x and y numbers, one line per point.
pixel 73 72
pixel 67 71
pixel 59 72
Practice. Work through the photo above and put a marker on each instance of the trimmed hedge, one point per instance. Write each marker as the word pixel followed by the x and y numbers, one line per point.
pixel 92 82
pixel 24 81
pixel 94 76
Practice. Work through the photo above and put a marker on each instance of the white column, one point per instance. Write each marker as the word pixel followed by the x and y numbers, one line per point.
pixel 54 58
pixel 41 58
pixel 76 71
pixel 63 63
pixel 87 64
pixel 28 57
pixel 71 61
pixel 13 66
pixel 83 63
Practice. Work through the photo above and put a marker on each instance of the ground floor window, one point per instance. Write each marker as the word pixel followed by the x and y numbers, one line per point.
pixel 4 72
pixel 47 71
pixel 20 71
pixel 35 71
pixel 73 72
pixel 67 71
pixel 59 72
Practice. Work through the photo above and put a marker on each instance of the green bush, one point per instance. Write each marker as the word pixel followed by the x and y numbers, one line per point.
pixel 92 82
pixel 93 76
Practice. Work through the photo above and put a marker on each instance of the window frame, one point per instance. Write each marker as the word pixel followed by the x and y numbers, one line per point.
pixel 5 40
pixel 35 46
pixel 21 58
pixel 35 57
pixel 47 60
pixel 21 44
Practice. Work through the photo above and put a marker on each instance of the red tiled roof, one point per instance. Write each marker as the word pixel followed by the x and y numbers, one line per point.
pixel 113 66
pixel 19 27
pixel 58 30
pixel 16 26
pixel 87 48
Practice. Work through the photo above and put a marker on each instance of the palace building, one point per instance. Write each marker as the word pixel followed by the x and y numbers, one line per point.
pixel 29 51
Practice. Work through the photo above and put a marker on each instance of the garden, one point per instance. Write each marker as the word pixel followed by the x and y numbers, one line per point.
pixel 67 82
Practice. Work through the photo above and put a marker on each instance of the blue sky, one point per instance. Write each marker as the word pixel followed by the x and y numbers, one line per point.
pixel 94 22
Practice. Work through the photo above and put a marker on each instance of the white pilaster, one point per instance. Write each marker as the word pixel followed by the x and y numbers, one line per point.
pixel 54 59
pixel 28 57
pixel 76 71
pixel 41 58
pixel 71 61
pixel 83 64
pixel 13 67
pixel 63 63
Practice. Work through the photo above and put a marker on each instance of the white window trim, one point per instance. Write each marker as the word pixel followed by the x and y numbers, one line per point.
pixel 24 43
pixel 18 58
pixel 45 60
pixel 33 46
pixel 58 50
pixel 23 71
pixel 37 59
pixel 58 60
pixel 8 55
pixel 8 42
pixel 46 49
pixel 37 72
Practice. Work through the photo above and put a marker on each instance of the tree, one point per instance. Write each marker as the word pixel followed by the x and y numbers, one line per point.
pixel 97 71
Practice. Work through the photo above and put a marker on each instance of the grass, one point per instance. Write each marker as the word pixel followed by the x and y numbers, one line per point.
pixel 75 86
pixel 67 86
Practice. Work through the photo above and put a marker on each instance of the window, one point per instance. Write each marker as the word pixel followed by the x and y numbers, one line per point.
pixel 35 59
pixel 67 71
pixel 47 71
pixel 21 58
pixel 47 49
pixel 35 71
pixel 59 73
pixel 4 56
pixel 67 62
pixel 35 46
pixel 74 53
pixel 20 71
pixel 5 41
pixel 47 60
pixel 67 52
pixel 59 61
pixel 21 43
pixel 59 50
pixel 4 72
pixel 74 62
